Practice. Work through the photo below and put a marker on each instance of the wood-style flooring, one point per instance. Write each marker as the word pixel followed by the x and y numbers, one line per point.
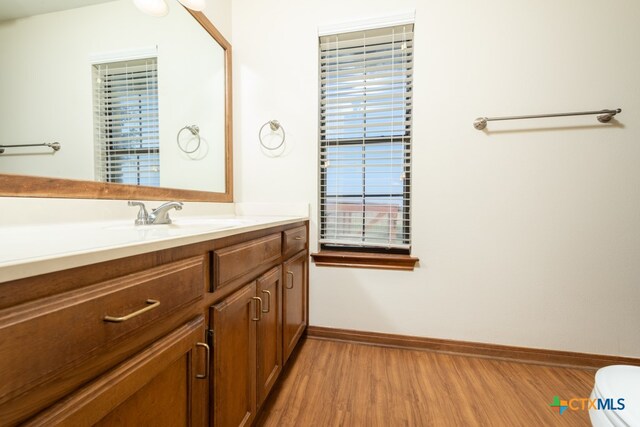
pixel 333 383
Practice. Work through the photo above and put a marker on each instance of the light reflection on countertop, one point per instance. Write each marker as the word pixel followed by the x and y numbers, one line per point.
pixel 31 250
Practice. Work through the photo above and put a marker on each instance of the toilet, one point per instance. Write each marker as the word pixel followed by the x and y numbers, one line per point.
pixel 617 382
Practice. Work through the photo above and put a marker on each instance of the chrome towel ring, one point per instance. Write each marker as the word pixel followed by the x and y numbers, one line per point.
pixel 275 126
pixel 195 131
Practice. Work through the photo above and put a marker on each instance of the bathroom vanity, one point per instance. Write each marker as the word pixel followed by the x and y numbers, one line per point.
pixel 189 330
pixel 182 324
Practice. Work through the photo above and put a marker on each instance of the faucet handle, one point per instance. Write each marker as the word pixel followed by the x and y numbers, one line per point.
pixel 143 215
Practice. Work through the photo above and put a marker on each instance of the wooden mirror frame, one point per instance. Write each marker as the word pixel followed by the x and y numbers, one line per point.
pixel 33 186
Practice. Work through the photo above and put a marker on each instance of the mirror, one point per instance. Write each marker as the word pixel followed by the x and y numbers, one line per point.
pixel 140 106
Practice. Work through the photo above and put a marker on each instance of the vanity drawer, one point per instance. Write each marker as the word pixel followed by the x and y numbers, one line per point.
pixel 238 260
pixel 295 240
pixel 45 337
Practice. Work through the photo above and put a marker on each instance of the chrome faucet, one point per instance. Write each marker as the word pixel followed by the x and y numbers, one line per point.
pixel 159 215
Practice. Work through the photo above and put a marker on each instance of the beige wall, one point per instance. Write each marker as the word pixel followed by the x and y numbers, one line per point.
pixel 219 13
pixel 528 235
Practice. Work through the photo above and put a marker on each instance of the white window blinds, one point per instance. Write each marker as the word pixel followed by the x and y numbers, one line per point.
pixel 126 126
pixel 365 138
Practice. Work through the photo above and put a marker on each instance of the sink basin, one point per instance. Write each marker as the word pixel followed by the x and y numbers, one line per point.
pixel 214 223
pixel 201 223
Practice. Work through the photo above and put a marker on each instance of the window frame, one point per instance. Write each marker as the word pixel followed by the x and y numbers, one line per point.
pixel 406 207
pixel 365 256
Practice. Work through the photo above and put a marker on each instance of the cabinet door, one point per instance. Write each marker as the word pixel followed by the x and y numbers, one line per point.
pixel 160 386
pixel 269 350
pixel 294 301
pixel 234 361
pixel 52 346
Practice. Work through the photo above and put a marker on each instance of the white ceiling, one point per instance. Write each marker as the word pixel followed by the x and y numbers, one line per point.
pixel 13 9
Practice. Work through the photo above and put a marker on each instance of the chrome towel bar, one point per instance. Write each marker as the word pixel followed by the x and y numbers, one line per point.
pixel 55 146
pixel 603 117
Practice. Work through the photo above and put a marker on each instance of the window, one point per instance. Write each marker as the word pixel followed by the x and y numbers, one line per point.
pixel 126 126
pixel 365 140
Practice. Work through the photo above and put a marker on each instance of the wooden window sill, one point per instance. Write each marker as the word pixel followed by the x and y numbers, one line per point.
pixel 364 260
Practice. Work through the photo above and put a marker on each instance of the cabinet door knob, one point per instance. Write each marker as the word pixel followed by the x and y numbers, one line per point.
pixel 258 309
pixel 208 361
pixel 153 304
pixel 290 273
pixel 269 300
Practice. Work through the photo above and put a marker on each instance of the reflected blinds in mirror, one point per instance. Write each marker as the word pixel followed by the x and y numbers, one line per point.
pixel 366 81
pixel 126 125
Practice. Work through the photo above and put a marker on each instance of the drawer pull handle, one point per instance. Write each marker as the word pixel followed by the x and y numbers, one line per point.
pixel 153 304
pixel 206 368
pixel 298 237
pixel 268 299
pixel 290 273
pixel 258 309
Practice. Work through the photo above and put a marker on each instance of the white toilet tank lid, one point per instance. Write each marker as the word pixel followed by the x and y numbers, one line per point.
pixel 621 382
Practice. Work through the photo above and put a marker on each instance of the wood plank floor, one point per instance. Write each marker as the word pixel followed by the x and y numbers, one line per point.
pixel 344 384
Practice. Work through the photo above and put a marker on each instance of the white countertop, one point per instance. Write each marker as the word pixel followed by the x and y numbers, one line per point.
pixel 30 250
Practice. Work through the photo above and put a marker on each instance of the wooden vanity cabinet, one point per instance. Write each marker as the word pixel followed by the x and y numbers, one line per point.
pixel 247 342
pixel 190 336
pixel 241 262
pixel 247 330
pixel 269 333
pixel 161 386
pixel 295 270
pixel 294 301
pixel 234 358
pixel 53 346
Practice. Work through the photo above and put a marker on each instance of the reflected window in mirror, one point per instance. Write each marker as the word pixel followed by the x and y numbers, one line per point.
pixel 126 124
